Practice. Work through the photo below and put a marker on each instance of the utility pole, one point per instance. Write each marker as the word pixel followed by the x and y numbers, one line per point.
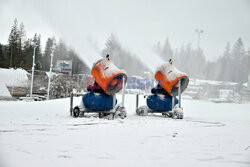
pixel 50 70
pixel 199 32
pixel 33 68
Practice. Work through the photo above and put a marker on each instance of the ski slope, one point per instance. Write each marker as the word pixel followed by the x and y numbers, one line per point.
pixel 43 134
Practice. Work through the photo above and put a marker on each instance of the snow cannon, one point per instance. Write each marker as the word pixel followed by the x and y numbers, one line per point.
pixel 108 76
pixel 101 98
pixel 171 83
pixel 169 78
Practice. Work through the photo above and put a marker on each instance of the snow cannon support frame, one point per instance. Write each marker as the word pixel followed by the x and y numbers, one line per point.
pixel 171 83
pixel 175 112
pixel 117 111
pixel 108 79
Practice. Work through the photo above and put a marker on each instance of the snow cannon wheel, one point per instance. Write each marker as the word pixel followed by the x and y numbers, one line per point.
pixel 120 112
pixel 101 115
pixel 76 112
pixel 142 111
pixel 177 113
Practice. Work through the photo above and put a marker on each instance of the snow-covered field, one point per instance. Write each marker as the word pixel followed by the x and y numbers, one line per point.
pixel 14 77
pixel 43 134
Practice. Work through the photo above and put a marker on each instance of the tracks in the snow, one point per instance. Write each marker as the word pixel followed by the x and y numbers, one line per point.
pixel 44 127
pixel 203 123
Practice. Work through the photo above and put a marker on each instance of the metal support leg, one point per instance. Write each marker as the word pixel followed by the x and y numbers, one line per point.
pixel 137 101
pixel 123 91
pixel 173 102
pixel 114 100
pixel 179 93
pixel 71 103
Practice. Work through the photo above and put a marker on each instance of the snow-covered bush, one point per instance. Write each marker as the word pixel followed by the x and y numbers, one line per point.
pixel 62 85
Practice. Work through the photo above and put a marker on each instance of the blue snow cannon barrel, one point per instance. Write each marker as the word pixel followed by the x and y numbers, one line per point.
pixel 160 103
pixel 99 102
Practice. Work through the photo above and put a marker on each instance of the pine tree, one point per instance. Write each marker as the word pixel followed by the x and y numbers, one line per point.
pixel 22 35
pixel 225 64
pixel 189 60
pixel 210 70
pixel 167 52
pixel 245 67
pixel 123 58
pixel 78 66
pixel 157 48
pixel 14 45
pixel 237 56
pixel 47 53
pixel 113 48
pixel 60 52
pixel 16 42
pixel 38 59
pixel 199 63
pixel 180 58
pixel 22 38
pixel 28 54
pixel 2 59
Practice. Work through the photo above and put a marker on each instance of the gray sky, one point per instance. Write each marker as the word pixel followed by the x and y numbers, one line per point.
pixel 138 24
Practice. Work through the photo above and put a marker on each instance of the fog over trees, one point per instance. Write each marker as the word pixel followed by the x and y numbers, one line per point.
pixel 233 65
pixel 123 58
pixel 18 53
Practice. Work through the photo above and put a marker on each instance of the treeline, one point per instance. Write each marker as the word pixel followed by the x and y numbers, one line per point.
pixel 232 66
pixel 18 53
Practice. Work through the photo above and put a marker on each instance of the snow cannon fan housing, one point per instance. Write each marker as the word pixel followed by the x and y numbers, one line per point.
pixel 168 77
pixel 108 76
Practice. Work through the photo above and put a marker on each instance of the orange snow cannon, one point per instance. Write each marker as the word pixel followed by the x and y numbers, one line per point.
pixel 168 77
pixel 108 76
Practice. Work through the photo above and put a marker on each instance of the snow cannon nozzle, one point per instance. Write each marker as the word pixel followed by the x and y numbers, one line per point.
pixel 109 77
pixel 169 77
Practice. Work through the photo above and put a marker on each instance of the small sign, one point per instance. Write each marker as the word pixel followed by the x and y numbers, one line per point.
pixel 64 66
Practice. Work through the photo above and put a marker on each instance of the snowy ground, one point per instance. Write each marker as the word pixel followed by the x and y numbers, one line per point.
pixel 43 134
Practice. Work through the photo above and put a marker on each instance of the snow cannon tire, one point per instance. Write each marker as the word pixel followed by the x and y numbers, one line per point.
pixel 101 115
pixel 76 112
pixel 178 113
pixel 120 112
pixel 142 111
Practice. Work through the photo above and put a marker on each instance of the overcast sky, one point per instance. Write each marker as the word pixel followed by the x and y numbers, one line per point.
pixel 138 24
